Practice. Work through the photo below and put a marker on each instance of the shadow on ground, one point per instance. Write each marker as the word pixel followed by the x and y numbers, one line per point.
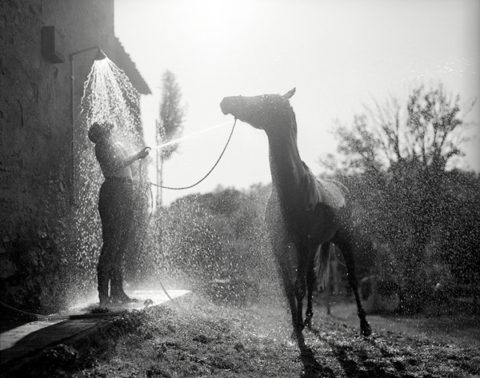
pixel 193 338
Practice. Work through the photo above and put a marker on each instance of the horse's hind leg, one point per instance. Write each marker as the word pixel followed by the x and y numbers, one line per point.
pixel 344 241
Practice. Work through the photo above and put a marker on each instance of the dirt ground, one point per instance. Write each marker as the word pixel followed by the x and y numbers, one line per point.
pixel 195 338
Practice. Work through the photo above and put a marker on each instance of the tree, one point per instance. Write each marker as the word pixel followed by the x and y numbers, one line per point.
pixel 219 235
pixel 401 155
pixel 424 133
pixel 458 236
pixel 169 125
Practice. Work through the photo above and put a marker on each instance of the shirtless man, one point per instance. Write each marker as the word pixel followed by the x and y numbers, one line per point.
pixel 115 205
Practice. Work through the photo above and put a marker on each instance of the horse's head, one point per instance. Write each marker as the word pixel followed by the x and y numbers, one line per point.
pixel 262 112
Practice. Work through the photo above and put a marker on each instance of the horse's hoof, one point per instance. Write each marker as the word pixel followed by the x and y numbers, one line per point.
pixel 308 323
pixel 365 329
pixel 293 336
pixel 306 351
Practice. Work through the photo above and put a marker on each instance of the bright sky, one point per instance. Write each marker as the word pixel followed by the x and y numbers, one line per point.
pixel 340 55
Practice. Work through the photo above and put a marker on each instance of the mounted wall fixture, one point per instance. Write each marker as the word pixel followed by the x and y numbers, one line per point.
pixel 99 56
pixel 50 45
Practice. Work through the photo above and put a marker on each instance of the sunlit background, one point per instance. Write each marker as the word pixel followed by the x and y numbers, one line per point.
pixel 340 55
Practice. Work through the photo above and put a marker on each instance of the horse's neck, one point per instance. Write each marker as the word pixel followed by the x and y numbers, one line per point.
pixel 285 163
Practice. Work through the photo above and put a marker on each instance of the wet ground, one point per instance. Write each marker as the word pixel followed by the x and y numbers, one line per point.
pixel 196 338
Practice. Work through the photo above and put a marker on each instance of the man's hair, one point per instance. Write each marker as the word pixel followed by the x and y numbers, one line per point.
pixel 97 130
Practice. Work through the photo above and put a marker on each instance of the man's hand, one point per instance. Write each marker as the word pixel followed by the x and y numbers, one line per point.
pixel 143 152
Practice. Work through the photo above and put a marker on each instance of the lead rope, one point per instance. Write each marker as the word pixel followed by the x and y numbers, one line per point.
pixel 207 174
pixel 147 224
pixel 181 188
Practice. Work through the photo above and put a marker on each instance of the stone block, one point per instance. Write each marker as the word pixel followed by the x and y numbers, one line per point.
pixel 7 266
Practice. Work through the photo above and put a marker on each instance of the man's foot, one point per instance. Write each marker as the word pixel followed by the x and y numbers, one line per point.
pixel 105 301
pixel 122 298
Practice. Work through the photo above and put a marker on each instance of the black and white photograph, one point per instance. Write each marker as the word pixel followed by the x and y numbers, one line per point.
pixel 240 188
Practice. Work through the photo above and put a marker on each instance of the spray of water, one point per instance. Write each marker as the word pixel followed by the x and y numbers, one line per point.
pixel 108 96
pixel 189 136
pixel 181 238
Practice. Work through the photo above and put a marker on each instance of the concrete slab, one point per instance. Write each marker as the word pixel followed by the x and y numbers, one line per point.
pixel 30 339
pixel 47 337
pixel 9 338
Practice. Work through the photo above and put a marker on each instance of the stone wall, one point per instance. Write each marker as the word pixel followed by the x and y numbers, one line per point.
pixel 36 140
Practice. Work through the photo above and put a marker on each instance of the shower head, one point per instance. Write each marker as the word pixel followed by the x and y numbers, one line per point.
pixel 100 54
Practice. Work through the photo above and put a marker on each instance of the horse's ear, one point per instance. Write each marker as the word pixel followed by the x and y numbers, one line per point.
pixel 289 94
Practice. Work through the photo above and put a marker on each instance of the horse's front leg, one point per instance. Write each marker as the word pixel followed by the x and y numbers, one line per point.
pixel 282 253
pixel 288 288
pixel 310 286
pixel 300 284
pixel 299 295
pixel 284 270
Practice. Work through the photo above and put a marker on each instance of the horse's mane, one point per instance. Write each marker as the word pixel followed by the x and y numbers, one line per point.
pixel 293 120
pixel 316 190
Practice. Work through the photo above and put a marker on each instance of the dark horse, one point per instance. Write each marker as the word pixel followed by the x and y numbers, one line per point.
pixel 302 210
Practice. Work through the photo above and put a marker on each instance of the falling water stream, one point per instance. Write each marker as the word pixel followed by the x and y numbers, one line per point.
pixel 109 96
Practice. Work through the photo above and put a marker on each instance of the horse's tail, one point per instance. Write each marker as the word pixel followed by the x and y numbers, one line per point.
pixel 324 266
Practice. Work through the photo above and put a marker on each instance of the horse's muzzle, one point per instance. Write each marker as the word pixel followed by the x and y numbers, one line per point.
pixel 226 105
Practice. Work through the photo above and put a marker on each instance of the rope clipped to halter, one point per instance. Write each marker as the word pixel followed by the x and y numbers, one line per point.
pixel 208 173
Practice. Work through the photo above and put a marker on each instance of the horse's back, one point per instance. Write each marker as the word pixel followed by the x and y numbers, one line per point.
pixel 320 191
pixel 331 193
